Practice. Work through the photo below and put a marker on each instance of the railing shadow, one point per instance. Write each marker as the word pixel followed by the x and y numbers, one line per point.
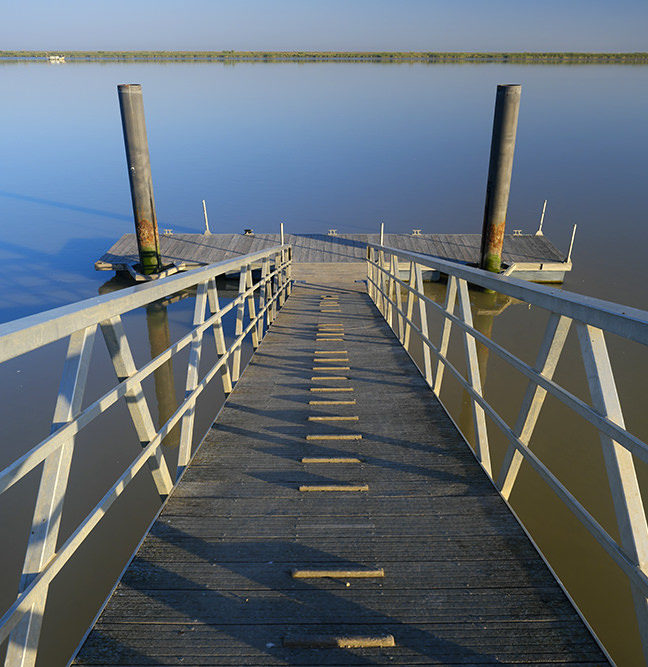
pixel 259 606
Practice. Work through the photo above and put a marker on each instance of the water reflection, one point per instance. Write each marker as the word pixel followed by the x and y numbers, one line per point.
pixel 486 306
pixel 157 322
pixel 159 337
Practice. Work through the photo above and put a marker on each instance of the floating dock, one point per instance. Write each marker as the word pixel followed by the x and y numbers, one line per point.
pixel 335 516
pixel 526 256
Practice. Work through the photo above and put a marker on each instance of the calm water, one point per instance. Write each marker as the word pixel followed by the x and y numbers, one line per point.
pixel 316 146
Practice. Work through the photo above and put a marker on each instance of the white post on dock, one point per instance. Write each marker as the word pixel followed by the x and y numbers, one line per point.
pixel 571 244
pixel 382 233
pixel 281 232
pixel 544 208
pixel 207 230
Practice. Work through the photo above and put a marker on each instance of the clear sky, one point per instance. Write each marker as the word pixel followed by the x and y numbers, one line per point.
pixel 430 25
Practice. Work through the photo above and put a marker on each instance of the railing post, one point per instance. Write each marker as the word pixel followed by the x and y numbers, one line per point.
pixel 382 284
pixel 23 641
pixel 397 297
pixel 268 289
pixel 389 265
pixel 131 105
pixel 275 284
pixel 240 313
pixel 122 359
pixel 188 418
pixel 500 168
pixel 410 305
pixel 289 271
pixel 252 308
pixel 474 379
pixel 548 356
pixel 622 477
pixel 281 277
pixel 219 337
pixel 262 297
pixel 427 359
pixel 450 300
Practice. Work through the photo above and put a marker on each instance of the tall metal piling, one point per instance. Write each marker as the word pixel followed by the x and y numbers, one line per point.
pixel 131 106
pixel 500 168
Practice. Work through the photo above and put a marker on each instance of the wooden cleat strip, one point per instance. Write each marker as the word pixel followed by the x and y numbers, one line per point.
pixel 348 436
pixel 333 419
pixel 306 488
pixel 352 402
pixel 332 389
pixel 332 641
pixel 331 352
pixel 328 377
pixel 334 459
pixel 338 574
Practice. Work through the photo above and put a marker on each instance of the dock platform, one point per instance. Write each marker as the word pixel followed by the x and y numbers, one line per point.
pixel 335 516
pixel 527 256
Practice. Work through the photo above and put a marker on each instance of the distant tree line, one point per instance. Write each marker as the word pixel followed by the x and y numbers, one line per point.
pixel 328 56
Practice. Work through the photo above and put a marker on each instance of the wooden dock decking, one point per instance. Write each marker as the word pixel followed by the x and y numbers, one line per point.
pixel 194 249
pixel 214 583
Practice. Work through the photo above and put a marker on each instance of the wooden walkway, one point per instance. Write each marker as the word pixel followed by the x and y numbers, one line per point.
pixel 416 543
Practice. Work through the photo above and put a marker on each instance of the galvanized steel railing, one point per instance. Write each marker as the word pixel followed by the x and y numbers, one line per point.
pixel 591 318
pixel 78 322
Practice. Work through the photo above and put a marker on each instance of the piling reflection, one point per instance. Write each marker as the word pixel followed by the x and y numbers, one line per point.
pixel 486 306
pixel 157 323
pixel 159 337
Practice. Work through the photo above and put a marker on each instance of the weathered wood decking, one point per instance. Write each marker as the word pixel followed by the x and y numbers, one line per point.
pixel 212 583
pixel 194 249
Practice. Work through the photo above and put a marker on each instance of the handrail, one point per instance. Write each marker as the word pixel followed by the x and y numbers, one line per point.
pixel 625 321
pixel 591 318
pixel 78 322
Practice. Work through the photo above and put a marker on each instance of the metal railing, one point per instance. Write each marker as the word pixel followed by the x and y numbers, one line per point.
pixel 591 318
pixel 78 322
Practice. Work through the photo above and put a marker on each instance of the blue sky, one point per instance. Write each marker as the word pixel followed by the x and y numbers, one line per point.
pixel 436 25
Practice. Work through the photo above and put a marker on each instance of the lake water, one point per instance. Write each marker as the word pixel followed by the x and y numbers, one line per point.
pixel 315 146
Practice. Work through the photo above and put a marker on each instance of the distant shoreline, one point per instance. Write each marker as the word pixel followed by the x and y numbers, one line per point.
pixel 331 56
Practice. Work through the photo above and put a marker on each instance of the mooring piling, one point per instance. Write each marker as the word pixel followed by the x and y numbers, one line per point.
pixel 131 105
pixel 507 106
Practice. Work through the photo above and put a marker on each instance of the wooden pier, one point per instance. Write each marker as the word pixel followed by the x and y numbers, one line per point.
pixel 335 516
